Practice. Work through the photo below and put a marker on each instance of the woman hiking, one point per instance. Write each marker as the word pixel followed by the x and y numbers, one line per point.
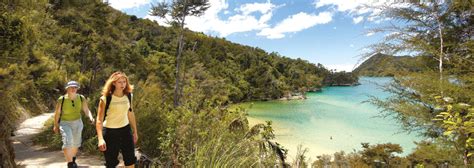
pixel 116 120
pixel 67 120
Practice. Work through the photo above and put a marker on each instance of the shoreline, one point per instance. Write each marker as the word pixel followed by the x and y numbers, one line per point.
pixel 312 150
pixel 316 138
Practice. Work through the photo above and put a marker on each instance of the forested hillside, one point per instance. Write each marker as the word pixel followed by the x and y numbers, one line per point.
pixel 431 92
pixel 46 43
pixel 86 41
pixel 386 65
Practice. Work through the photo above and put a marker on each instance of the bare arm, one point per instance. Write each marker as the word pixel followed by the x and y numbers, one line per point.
pixel 87 112
pixel 57 112
pixel 98 125
pixel 133 123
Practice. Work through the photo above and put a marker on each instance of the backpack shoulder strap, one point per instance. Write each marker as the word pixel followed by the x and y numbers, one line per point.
pixel 61 109
pixel 81 97
pixel 129 96
pixel 108 99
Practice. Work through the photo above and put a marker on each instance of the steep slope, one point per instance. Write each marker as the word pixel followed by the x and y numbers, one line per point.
pixel 386 65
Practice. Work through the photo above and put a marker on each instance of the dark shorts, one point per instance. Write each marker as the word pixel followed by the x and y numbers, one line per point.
pixel 119 140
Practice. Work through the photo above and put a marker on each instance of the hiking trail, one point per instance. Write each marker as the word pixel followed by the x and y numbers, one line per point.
pixel 29 155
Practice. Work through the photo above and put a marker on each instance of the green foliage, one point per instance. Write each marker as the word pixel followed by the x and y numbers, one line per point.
pixel 54 141
pixel 341 79
pixel 47 137
pixel 440 31
pixel 322 161
pixel 50 42
pixel 219 153
pixel 179 10
pixel 380 153
pixel 457 122
pixel 199 133
pixel 432 154
pixel 385 65
pixel 14 81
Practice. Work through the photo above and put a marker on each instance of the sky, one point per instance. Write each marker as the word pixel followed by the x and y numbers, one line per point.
pixel 331 32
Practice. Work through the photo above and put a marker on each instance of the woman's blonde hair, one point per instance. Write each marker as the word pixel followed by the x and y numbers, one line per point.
pixel 109 87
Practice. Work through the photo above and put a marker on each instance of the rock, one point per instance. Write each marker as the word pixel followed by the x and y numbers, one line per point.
pixel 315 90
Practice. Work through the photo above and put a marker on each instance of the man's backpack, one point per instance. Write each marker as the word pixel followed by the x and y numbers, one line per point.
pixel 62 102
pixel 108 99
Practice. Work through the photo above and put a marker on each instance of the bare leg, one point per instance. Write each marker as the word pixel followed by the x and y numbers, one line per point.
pixel 74 151
pixel 67 154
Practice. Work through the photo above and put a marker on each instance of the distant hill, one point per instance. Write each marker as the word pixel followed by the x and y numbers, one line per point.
pixel 386 65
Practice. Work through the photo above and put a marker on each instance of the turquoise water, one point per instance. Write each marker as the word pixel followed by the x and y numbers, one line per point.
pixel 333 120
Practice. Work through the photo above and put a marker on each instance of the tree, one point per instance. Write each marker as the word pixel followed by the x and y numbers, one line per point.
pixel 322 161
pixel 13 70
pixel 457 121
pixel 380 153
pixel 433 153
pixel 179 10
pixel 441 30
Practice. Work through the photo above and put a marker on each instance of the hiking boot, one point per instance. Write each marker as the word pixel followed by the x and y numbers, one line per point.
pixel 71 165
pixel 74 162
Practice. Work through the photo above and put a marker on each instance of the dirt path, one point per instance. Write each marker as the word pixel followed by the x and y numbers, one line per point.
pixel 29 155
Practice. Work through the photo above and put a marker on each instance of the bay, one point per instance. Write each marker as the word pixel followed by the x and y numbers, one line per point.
pixel 333 120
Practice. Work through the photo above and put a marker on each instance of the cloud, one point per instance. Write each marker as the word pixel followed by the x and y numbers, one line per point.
pixel 295 23
pixel 249 17
pixel 369 34
pixel 341 5
pixel 357 19
pixel 256 7
pixel 127 4
pixel 359 8
pixel 352 6
pixel 242 20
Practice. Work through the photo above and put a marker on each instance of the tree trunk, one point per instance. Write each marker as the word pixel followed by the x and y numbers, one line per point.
pixel 178 57
pixel 441 52
pixel 178 62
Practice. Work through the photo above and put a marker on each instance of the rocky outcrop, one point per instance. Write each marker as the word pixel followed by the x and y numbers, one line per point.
pixel 293 96
pixel 315 90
